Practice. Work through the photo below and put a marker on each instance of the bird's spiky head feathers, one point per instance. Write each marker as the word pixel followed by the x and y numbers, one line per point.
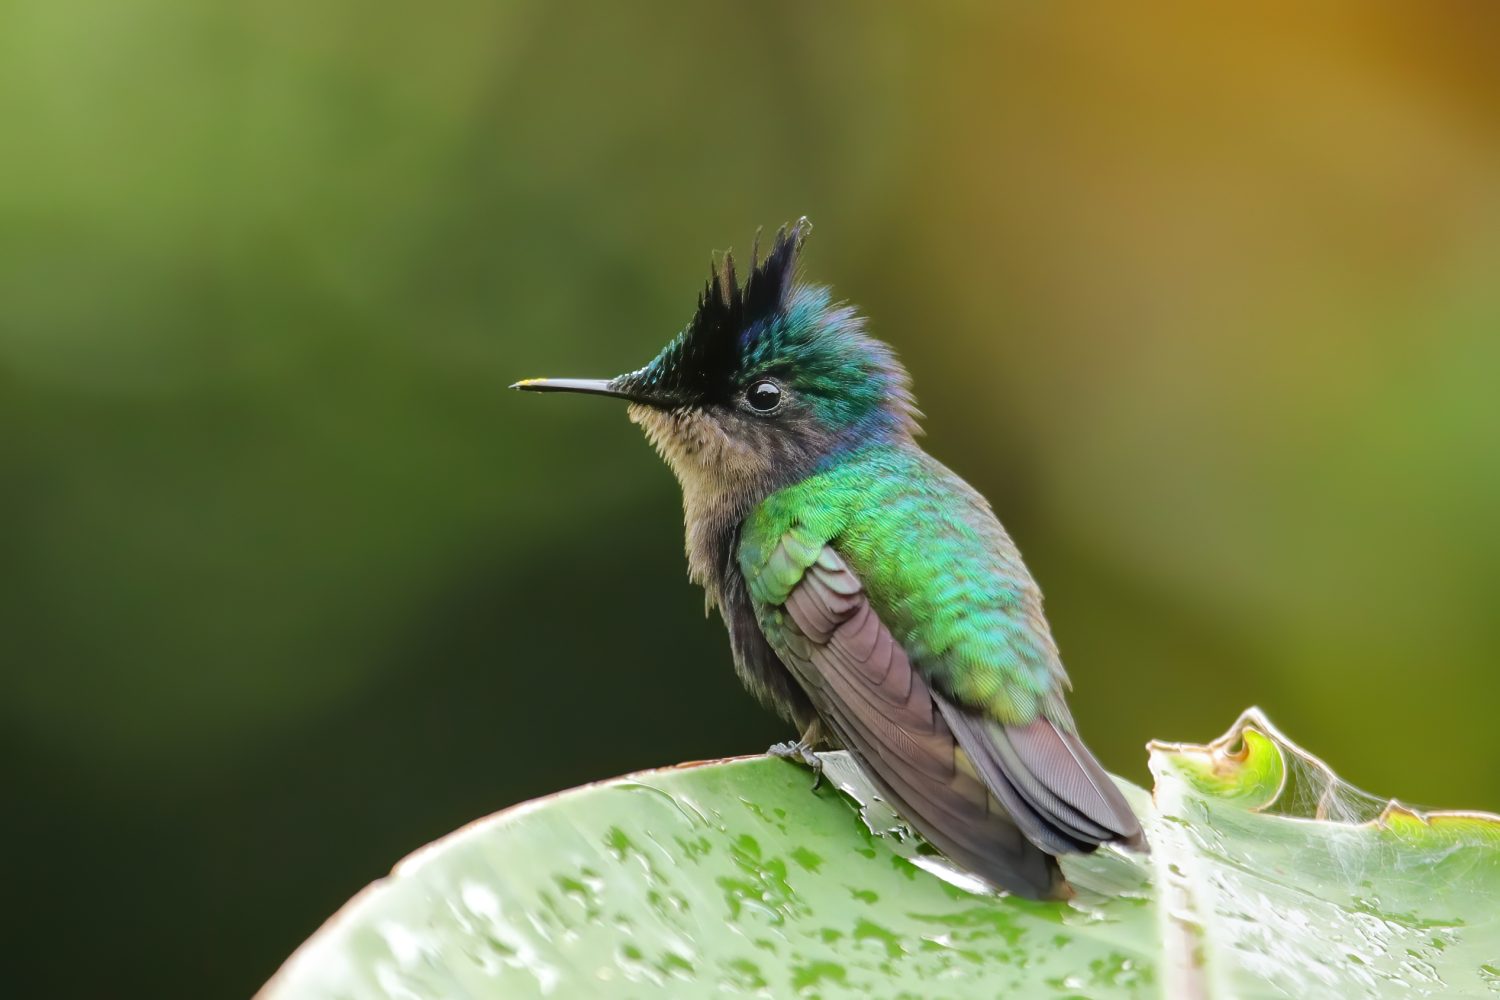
pixel 774 328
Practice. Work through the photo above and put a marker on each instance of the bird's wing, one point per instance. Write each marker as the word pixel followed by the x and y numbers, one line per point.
pixel 879 706
pixel 974 786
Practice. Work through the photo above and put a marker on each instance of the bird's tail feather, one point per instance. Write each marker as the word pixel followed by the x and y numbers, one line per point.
pixel 1049 782
pixel 957 816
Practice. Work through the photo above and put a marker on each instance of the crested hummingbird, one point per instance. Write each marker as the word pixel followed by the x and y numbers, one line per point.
pixel 870 595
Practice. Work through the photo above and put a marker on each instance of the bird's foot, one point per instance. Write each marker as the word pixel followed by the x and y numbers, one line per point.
pixel 799 752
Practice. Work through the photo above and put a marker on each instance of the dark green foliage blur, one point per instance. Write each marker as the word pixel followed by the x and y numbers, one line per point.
pixel 290 585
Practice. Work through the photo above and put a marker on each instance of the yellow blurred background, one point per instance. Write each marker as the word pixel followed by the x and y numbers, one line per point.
pixel 1205 300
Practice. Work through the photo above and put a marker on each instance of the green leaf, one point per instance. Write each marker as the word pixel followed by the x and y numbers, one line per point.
pixel 1268 877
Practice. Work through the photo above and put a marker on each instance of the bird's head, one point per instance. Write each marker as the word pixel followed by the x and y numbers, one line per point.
pixel 770 381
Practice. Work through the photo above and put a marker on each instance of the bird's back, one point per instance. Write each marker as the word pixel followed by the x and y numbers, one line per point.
pixel 941 572
pixel 899 605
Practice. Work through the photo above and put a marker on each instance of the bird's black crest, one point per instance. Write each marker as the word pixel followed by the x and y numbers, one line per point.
pixel 707 352
pixel 726 309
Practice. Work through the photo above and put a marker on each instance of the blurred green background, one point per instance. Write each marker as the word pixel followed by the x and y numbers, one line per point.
pixel 1205 302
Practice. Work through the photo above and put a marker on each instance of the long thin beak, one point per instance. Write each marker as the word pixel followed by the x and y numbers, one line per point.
pixel 591 386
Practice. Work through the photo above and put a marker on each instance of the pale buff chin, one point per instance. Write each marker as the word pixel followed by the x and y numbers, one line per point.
pixel 718 476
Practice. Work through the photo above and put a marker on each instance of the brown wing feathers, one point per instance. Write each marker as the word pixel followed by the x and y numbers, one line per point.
pixel 881 708
pixel 1047 779
pixel 1056 762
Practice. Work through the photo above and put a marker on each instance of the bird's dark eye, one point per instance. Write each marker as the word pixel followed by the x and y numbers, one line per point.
pixel 763 396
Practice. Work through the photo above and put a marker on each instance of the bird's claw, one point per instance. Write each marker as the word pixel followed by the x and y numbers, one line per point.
pixel 799 752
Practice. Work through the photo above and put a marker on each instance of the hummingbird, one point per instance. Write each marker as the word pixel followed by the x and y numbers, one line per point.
pixel 871 597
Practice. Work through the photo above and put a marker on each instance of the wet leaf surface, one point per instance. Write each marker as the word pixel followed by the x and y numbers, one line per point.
pixel 1268 877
